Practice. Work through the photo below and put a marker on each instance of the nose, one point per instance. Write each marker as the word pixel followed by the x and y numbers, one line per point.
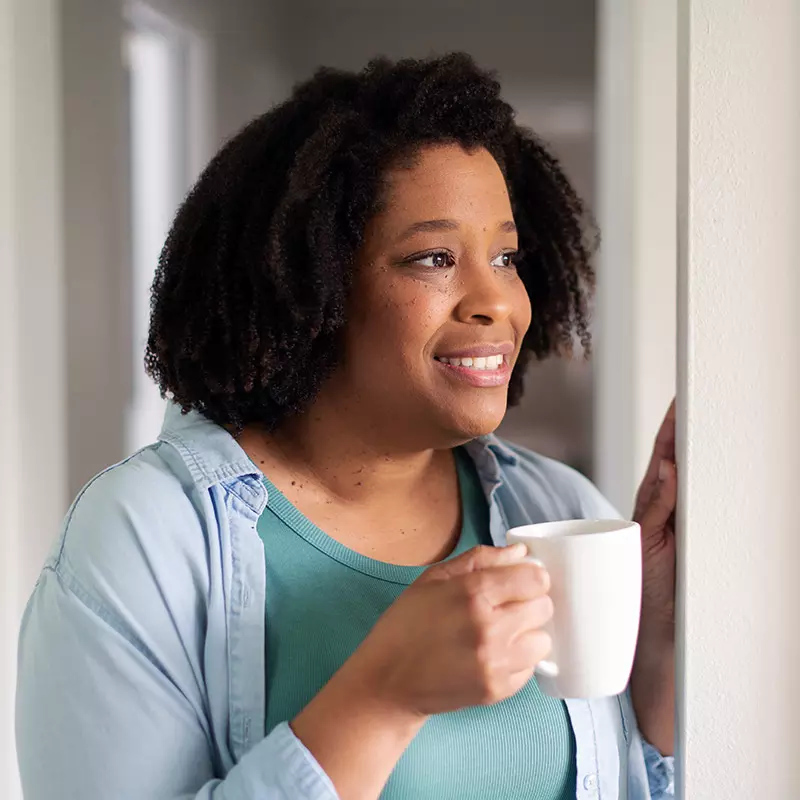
pixel 485 298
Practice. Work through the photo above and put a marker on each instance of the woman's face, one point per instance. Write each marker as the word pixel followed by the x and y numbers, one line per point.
pixel 438 311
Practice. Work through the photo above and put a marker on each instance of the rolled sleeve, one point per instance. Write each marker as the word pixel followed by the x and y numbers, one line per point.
pixel 660 772
pixel 283 765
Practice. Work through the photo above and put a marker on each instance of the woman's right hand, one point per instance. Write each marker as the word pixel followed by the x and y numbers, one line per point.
pixel 466 633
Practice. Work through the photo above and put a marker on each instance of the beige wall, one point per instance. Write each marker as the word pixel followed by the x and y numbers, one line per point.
pixel 739 205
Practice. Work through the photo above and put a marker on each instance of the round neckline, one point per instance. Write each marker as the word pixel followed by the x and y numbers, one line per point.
pixel 290 515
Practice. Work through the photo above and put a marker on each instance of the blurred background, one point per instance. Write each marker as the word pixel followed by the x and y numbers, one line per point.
pixel 153 90
pixel 110 109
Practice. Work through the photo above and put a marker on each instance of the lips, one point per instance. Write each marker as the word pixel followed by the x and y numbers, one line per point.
pixel 476 351
pixel 481 367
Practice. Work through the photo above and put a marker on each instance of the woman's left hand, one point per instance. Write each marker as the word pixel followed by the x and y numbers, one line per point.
pixel 655 512
pixel 653 677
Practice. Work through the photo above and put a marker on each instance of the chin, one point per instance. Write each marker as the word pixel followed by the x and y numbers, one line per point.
pixel 470 425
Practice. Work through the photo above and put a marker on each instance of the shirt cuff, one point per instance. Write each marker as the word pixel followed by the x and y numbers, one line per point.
pixel 660 772
pixel 288 770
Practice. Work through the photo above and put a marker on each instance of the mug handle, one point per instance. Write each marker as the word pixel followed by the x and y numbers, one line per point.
pixel 548 669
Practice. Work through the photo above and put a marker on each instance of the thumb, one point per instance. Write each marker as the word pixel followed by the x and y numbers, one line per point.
pixel 657 513
pixel 483 557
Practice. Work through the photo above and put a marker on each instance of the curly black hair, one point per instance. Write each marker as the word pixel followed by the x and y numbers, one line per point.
pixel 251 291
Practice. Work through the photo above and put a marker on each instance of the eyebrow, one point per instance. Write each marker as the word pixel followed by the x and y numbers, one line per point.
pixel 438 225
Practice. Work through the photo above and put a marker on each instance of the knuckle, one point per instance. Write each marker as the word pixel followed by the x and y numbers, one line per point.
pixel 543 609
pixel 483 649
pixel 475 584
pixel 542 578
pixel 493 690
pixel 479 613
pixel 431 574
pixel 541 645
pixel 481 554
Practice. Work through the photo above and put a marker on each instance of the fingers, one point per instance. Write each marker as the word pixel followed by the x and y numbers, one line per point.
pixel 493 576
pixel 521 626
pixel 520 679
pixel 522 655
pixel 509 651
pixel 477 559
pixel 666 431
pixel 516 583
pixel 663 449
pixel 520 618
pixel 656 515
pixel 528 651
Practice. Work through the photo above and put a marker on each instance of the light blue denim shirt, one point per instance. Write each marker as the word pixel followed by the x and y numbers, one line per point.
pixel 141 664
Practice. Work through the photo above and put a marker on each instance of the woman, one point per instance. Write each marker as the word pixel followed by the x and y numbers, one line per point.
pixel 294 593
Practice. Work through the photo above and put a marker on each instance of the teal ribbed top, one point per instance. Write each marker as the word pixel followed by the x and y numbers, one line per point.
pixel 323 599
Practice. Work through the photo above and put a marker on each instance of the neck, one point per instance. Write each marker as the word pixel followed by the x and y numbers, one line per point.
pixel 352 462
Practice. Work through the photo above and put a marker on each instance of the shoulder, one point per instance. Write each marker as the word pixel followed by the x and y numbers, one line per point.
pixel 127 594
pixel 136 531
pixel 553 483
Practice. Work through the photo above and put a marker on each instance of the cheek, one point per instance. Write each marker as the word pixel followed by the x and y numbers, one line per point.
pixel 398 319
pixel 523 312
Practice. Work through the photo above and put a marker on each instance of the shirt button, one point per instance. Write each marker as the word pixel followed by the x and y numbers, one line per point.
pixel 590 783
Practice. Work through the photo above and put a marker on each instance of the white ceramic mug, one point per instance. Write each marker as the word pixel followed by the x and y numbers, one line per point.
pixel 595 571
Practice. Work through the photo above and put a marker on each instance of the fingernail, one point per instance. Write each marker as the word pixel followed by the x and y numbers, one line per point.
pixel 517 550
pixel 663 470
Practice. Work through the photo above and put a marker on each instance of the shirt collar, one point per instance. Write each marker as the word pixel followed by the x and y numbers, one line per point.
pixel 210 453
pixel 498 447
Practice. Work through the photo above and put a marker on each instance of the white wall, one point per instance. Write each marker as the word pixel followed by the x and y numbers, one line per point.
pixel 244 39
pixel 739 205
pixel 243 78
pixel 636 161
pixel 32 401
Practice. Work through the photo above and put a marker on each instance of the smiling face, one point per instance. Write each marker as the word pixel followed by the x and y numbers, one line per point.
pixel 438 312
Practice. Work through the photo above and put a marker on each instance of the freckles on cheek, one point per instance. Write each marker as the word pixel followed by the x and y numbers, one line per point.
pixel 405 311
pixel 412 315
pixel 400 317
pixel 397 308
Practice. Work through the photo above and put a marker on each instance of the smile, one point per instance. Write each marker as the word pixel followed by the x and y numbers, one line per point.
pixel 482 370
pixel 482 363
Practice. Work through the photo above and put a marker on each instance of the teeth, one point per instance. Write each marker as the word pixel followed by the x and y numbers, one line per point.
pixel 494 362
pixel 487 363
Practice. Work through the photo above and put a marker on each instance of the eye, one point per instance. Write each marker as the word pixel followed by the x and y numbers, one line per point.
pixel 436 259
pixel 507 259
